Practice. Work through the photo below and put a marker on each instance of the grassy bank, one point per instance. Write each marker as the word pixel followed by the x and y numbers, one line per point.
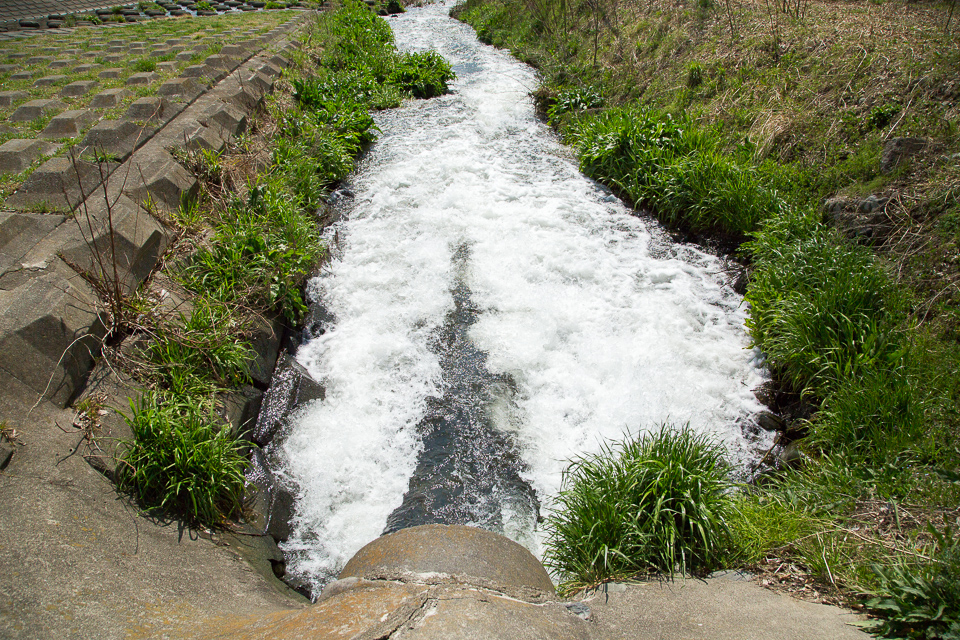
pixel 251 241
pixel 761 129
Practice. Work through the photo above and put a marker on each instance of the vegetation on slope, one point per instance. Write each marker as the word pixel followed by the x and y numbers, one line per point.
pixel 761 127
pixel 257 240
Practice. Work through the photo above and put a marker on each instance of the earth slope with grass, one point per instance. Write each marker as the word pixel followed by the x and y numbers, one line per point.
pixel 819 144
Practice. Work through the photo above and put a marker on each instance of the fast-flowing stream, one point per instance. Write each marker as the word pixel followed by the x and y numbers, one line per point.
pixel 494 313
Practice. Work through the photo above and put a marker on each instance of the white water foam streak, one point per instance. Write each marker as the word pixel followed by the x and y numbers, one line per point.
pixel 603 324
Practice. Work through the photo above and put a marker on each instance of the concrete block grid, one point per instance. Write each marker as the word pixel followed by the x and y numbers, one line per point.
pixel 35 14
pixel 51 320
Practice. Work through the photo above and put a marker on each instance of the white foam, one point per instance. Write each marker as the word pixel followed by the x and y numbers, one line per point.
pixel 603 326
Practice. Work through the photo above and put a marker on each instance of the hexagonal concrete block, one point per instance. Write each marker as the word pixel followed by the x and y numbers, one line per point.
pixel 17 155
pixel 60 184
pixel 78 88
pixel 69 124
pixel 185 88
pixel 46 81
pixel 109 98
pixel 112 239
pixel 152 109
pixel 10 98
pixel 114 138
pixel 50 328
pixel 157 177
pixel 35 109
pixel 225 119
pixel 142 78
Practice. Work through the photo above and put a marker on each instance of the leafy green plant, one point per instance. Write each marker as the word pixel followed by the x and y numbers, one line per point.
pixel 203 5
pixel 920 600
pixel 424 74
pixel 658 502
pixel 144 65
pixel 573 100
pixel 183 459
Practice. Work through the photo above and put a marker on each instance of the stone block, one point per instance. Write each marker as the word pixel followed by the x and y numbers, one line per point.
pixel 23 75
pixel 184 88
pixel 47 81
pixel 109 98
pixel 241 95
pixel 117 138
pixel 50 328
pixel 36 109
pixel 235 51
pixel 114 58
pixel 240 408
pixel 152 109
pixel 184 56
pixel 10 98
pixel 86 68
pixel 265 341
pixel 291 387
pixel 20 233
pixel 69 124
pixel 110 74
pixel 259 82
pixel 61 64
pixel 107 394
pixel 221 62
pixel 160 179
pixel 167 67
pixel 226 119
pixel 17 155
pixel 111 237
pixel 196 71
pixel 8 68
pixel 39 60
pixel 193 136
pixel 78 88
pixel 60 184
pixel 143 78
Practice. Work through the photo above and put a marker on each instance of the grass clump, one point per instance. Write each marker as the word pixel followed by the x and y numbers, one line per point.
pixel 183 459
pixel 658 502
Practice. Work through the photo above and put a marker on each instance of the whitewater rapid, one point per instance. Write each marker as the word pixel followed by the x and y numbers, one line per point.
pixel 589 321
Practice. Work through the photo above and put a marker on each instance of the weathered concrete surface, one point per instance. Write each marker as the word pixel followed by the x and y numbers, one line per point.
pixel 373 611
pixel 464 555
pixel 78 562
pixel 727 607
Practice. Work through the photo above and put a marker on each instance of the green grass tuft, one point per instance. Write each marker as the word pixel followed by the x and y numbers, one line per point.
pixel 655 503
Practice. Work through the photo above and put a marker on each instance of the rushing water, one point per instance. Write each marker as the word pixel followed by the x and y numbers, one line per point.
pixel 494 313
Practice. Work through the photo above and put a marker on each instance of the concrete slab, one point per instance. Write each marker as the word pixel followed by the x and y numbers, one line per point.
pixel 78 88
pixel 142 78
pixel 59 184
pixel 116 138
pixel 152 109
pixel 10 98
pixel 724 608
pixel 47 81
pixel 110 74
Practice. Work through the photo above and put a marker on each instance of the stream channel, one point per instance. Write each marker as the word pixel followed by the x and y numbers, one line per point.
pixel 489 314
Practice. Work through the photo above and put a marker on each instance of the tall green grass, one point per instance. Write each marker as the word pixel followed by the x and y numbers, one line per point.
pixel 183 459
pixel 654 503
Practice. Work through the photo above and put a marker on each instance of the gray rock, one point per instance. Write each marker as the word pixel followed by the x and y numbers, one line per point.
pixel 69 124
pixel 291 388
pixel 10 98
pixel 78 88
pixel 896 150
pixel 6 453
pixel 109 98
pixel 265 341
pixel 871 204
pixel 35 109
pixel 17 155
pixel 240 408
